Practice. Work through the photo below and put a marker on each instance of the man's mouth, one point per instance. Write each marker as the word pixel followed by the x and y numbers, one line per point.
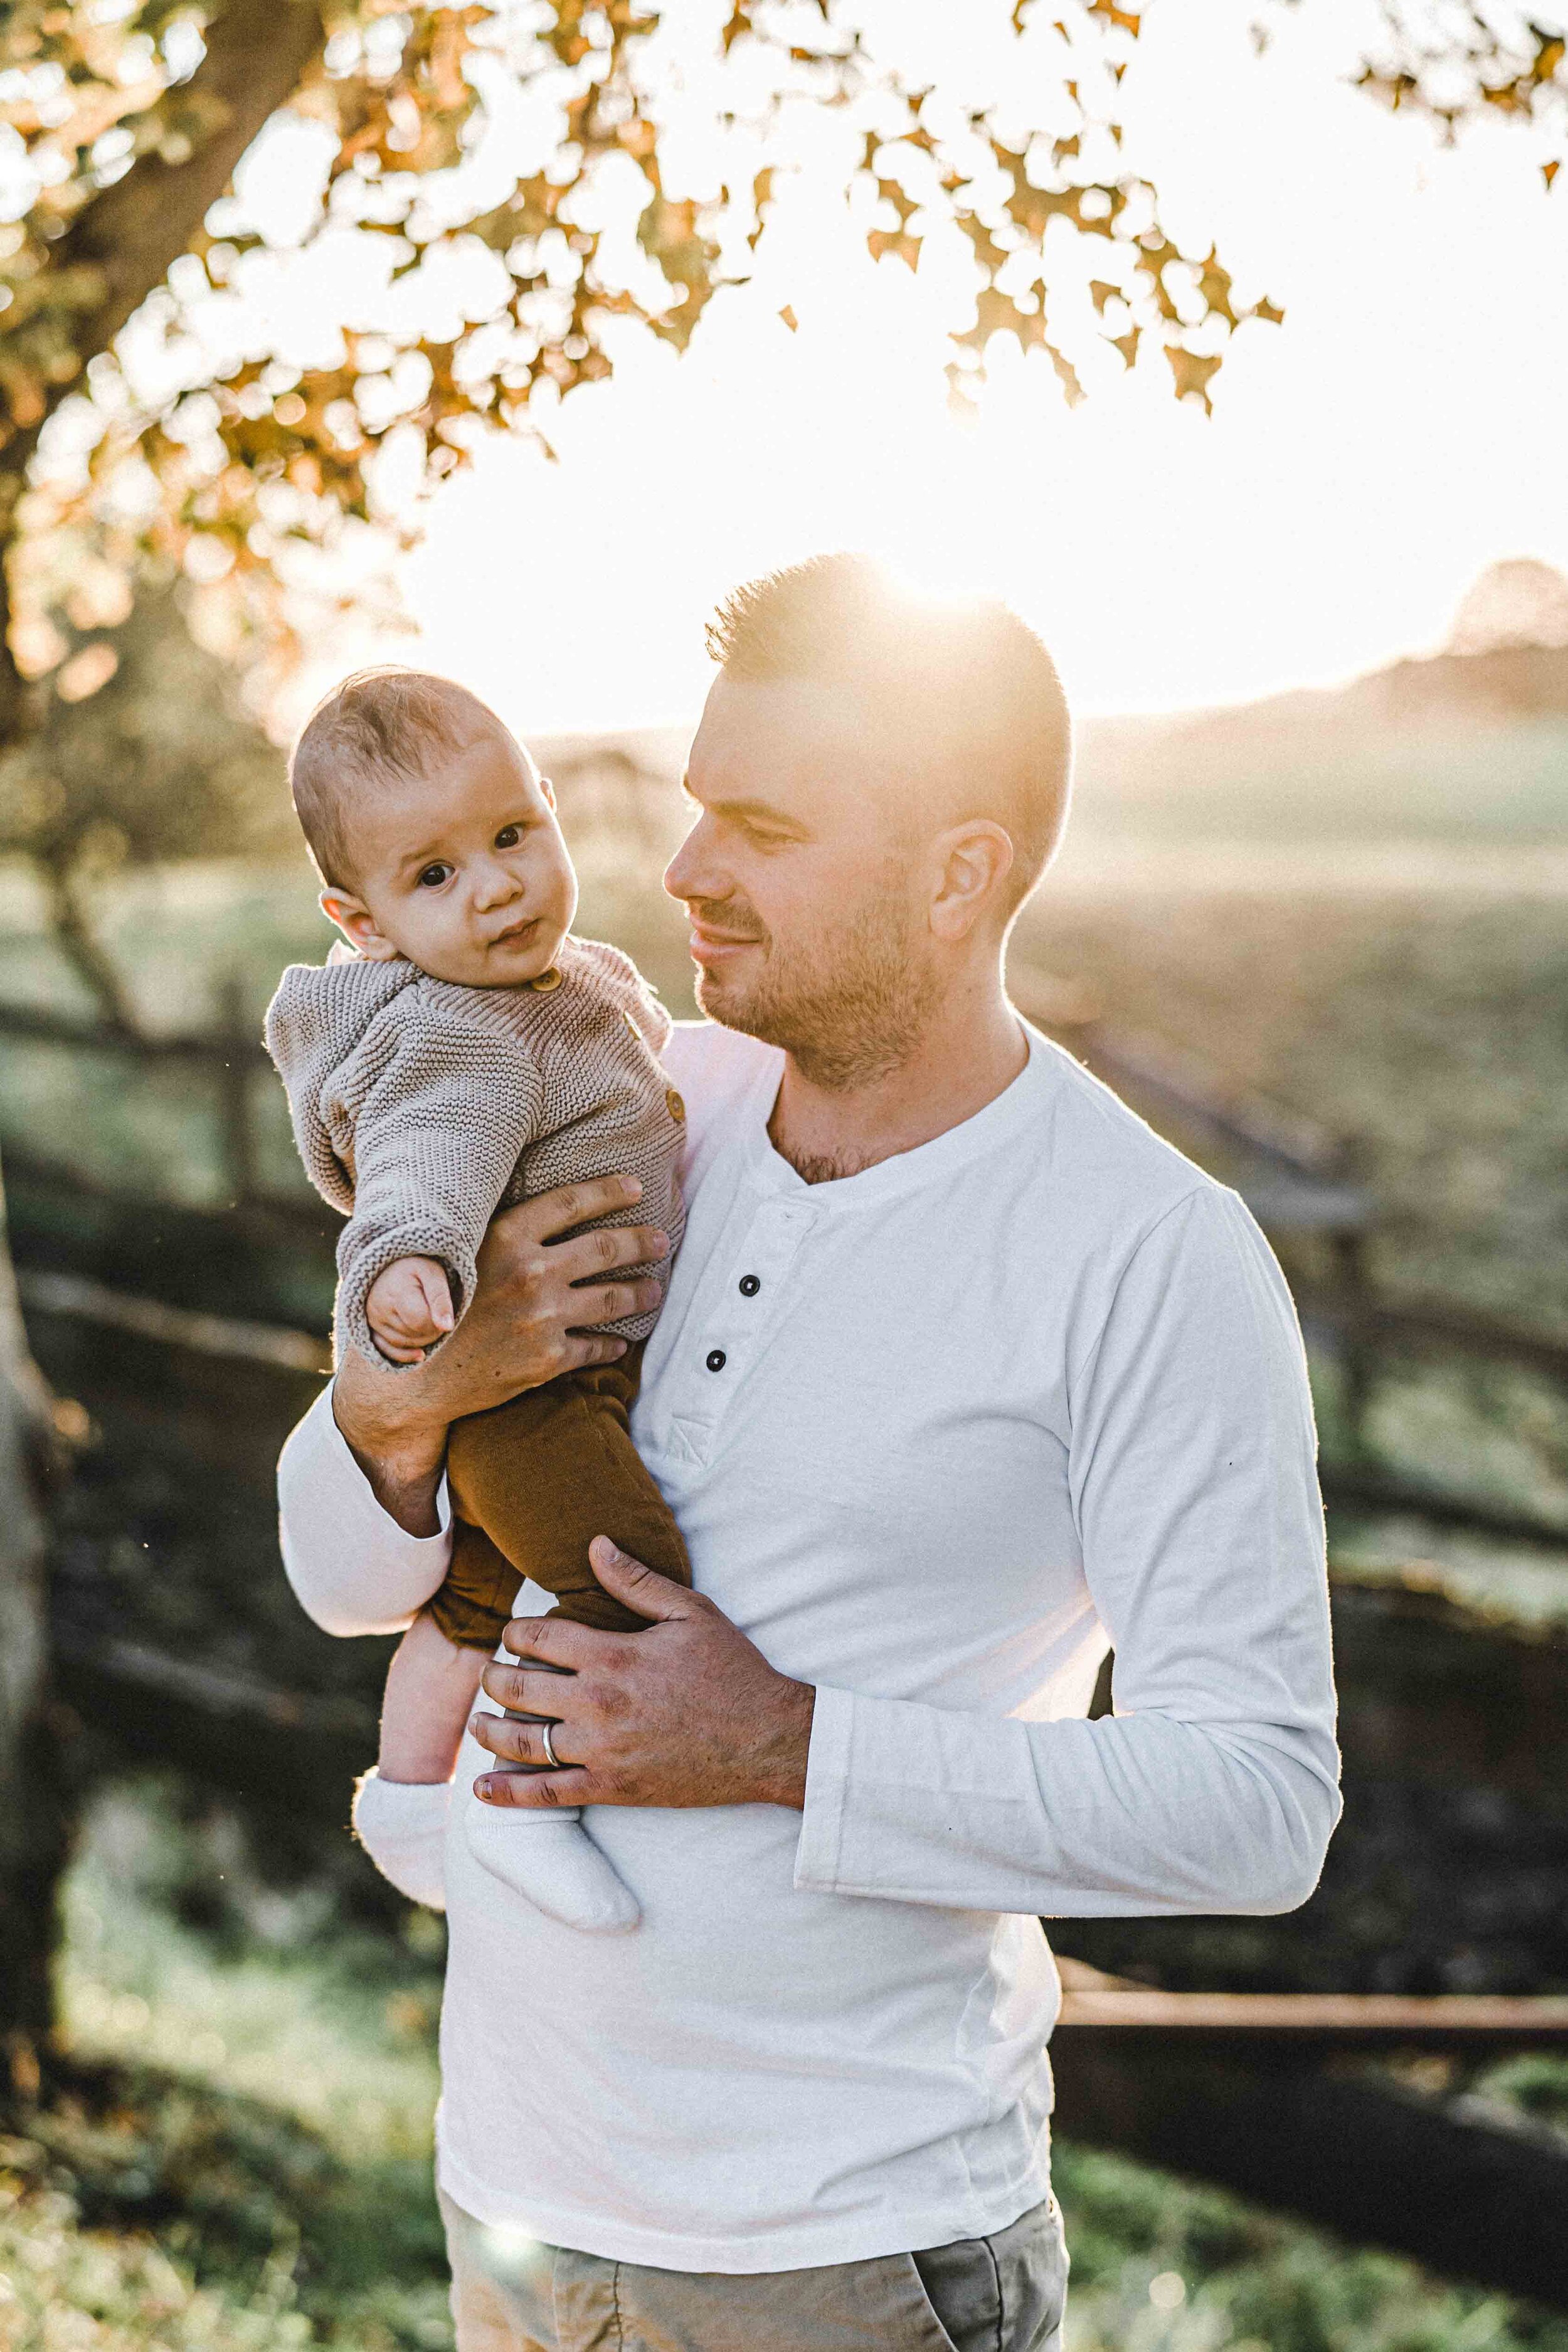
pixel 709 944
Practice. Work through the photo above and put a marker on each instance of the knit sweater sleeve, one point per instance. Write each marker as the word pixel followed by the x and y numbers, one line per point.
pixel 442 1106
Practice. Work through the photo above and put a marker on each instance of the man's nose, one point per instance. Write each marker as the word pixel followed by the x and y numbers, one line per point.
pixel 694 872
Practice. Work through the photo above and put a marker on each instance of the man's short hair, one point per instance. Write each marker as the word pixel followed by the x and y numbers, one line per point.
pixel 963 675
pixel 385 721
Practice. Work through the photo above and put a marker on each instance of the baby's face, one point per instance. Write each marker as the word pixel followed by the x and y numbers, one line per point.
pixel 464 871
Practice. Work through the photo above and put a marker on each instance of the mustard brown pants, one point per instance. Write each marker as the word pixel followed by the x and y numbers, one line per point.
pixel 532 1483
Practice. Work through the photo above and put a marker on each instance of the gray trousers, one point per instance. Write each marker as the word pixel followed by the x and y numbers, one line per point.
pixel 1002 2293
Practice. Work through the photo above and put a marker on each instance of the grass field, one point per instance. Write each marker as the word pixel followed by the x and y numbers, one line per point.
pixel 244 2165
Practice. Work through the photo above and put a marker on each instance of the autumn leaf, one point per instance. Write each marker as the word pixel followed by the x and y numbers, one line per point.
pixel 1194 371
pixel 291 454
pixel 902 248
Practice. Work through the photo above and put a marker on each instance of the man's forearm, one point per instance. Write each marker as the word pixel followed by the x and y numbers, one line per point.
pixel 405 1491
pixel 400 1452
pixel 782 1748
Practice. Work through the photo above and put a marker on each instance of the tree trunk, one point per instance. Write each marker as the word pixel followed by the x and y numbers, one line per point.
pixel 125 240
pixel 33 1810
pixel 90 961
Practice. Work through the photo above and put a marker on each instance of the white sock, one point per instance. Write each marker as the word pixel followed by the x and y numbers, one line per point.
pixel 401 1825
pixel 551 1860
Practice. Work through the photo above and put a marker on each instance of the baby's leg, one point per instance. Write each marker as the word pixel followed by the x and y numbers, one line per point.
pixel 431 1687
pixel 400 1808
pixel 547 1856
pixel 532 1484
pixel 542 1476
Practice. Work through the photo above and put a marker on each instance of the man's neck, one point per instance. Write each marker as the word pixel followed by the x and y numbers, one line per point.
pixel 972 1048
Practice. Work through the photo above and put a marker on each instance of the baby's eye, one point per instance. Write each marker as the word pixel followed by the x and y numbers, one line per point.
pixel 434 876
pixel 508 837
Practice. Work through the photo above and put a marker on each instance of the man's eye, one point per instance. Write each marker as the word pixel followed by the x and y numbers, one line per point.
pixel 434 876
pixel 508 837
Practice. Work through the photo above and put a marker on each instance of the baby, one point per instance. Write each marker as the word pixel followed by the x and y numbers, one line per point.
pixel 462 1052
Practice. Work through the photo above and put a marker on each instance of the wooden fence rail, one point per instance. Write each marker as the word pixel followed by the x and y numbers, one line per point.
pixel 230 1057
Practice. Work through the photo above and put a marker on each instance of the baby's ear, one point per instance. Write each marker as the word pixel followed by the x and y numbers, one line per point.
pixel 548 789
pixel 357 924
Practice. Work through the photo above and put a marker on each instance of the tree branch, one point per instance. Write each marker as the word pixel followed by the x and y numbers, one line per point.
pixel 13 685
pixel 75 936
pixel 257 52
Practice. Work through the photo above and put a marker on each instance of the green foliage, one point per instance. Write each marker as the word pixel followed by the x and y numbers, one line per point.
pixel 1160 2266
pixel 239 2152
pixel 269 2188
pixel 116 2294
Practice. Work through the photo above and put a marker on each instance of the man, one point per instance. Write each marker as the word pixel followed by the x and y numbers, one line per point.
pixel 961 1371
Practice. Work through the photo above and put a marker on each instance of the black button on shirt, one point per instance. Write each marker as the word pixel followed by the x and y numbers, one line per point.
pixel 749 1285
pixel 717 1360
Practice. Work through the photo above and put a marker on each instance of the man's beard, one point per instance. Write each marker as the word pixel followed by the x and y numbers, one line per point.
pixel 849 1005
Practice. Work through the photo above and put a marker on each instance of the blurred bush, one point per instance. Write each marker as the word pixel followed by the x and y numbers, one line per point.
pixel 148 757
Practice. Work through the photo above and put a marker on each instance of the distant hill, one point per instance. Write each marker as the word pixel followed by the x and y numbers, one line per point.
pixel 1459 744
pixel 1520 602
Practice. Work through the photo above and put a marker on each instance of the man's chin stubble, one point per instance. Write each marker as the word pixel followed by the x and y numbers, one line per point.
pixel 847 1035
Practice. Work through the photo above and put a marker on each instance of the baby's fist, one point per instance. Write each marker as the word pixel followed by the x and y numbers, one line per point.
pixel 409 1308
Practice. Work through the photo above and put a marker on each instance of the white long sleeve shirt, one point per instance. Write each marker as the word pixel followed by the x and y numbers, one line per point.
pixel 934 1434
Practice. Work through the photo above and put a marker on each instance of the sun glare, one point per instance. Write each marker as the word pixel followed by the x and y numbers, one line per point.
pixel 1326 518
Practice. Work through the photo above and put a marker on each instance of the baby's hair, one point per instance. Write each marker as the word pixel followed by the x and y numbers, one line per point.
pixel 379 722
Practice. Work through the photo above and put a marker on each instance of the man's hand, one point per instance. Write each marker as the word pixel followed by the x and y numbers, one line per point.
pixel 528 1321
pixel 688 1712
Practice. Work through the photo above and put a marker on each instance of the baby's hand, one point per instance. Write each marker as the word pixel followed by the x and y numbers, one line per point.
pixel 409 1308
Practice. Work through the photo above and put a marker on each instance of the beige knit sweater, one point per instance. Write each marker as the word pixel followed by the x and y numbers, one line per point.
pixel 421 1107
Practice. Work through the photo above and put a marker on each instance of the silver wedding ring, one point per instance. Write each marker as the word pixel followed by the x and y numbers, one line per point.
pixel 554 1761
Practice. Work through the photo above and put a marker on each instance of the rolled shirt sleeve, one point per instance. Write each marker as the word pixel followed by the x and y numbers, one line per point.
pixel 1194 1488
pixel 354 1569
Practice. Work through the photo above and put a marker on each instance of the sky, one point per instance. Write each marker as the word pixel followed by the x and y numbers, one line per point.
pixel 1402 430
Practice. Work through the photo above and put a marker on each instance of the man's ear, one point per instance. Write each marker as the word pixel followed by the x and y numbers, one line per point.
pixel 973 862
pixel 357 924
